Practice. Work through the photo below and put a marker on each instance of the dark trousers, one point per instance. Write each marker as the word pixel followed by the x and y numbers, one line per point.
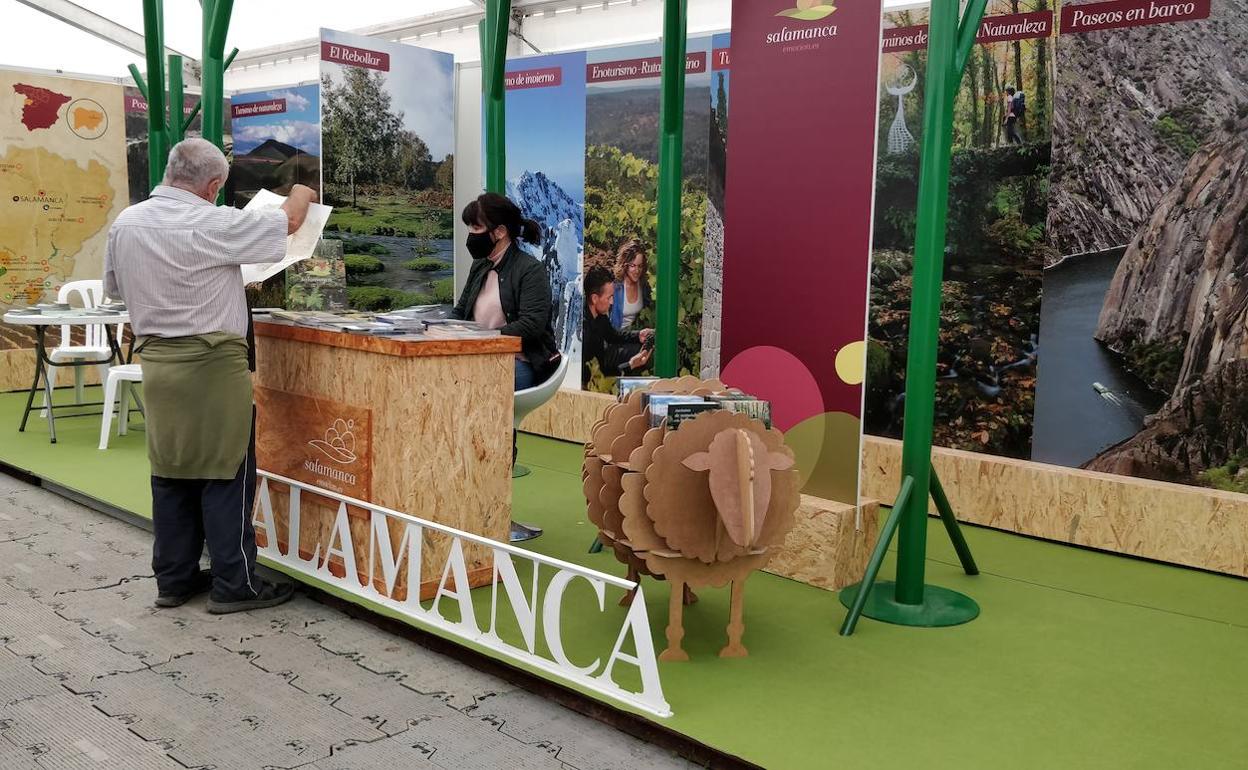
pixel 188 512
pixel 1011 131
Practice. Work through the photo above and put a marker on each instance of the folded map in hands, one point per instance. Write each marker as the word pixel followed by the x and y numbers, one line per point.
pixel 299 245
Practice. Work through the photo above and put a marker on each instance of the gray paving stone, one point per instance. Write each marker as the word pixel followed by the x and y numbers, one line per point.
pixel 415 667
pixel 530 719
pixel 92 675
pixel 474 745
pixel 340 682
pixel 63 731
pixel 125 617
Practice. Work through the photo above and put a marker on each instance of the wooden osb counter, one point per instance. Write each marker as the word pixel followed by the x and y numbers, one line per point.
pixel 421 427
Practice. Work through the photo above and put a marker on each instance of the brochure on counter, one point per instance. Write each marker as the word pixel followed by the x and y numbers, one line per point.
pixel 425 322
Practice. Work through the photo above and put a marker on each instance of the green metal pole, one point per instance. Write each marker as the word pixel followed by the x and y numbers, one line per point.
pixel 877 558
pixel 493 85
pixel 190 116
pixel 176 99
pixel 671 157
pixel 967 31
pixel 916 461
pixel 908 600
pixel 139 82
pixel 195 108
pixel 216 16
pixel 951 526
pixel 157 116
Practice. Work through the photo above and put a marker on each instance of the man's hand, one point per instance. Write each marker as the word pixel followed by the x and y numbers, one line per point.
pixel 296 206
pixel 646 334
pixel 640 360
pixel 302 190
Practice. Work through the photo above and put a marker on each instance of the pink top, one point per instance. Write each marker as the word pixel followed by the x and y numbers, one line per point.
pixel 488 311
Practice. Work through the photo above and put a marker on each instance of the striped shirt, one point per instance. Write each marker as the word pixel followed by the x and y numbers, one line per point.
pixel 175 260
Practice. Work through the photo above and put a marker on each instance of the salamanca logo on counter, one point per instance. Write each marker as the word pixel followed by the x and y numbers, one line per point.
pixel 355 57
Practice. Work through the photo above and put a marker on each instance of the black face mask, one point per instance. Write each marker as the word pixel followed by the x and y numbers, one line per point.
pixel 480 245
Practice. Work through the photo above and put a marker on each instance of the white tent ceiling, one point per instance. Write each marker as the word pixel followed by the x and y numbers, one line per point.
pixel 276 35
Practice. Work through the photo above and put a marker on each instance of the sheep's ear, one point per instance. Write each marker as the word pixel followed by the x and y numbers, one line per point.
pixel 780 462
pixel 700 461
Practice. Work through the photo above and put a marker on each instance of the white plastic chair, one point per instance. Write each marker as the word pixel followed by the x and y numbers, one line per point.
pixel 526 401
pixel 118 385
pixel 89 294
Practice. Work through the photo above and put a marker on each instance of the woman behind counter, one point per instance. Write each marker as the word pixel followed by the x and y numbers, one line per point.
pixel 508 289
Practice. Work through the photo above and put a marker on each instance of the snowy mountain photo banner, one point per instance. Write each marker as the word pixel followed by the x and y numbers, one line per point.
pixel 546 179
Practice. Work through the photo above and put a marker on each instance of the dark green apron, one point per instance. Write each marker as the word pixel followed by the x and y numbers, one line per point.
pixel 198 400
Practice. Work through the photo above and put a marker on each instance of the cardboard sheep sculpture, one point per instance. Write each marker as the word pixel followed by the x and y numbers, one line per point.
pixel 704 505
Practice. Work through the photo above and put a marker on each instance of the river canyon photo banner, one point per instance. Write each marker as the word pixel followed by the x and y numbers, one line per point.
pixel 798 216
pixel 1144 335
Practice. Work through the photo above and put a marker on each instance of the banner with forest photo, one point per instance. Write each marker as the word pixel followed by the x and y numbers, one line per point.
pixel 388 142
pixel 997 248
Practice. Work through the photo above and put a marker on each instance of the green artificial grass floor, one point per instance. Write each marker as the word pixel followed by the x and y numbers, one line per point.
pixel 1078 660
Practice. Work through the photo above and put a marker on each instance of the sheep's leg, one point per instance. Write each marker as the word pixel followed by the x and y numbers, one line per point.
pixel 634 576
pixel 675 624
pixel 736 625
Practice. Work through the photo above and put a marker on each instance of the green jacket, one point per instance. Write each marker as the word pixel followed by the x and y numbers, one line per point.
pixel 524 291
pixel 198 401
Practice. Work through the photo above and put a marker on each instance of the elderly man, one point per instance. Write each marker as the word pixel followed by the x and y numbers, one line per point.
pixel 175 259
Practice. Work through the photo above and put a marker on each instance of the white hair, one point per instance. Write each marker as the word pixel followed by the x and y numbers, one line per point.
pixel 193 163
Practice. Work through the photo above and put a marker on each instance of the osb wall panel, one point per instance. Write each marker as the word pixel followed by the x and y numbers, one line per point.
pixel 441 438
pixel 1173 523
pixel 825 549
pixel 568 416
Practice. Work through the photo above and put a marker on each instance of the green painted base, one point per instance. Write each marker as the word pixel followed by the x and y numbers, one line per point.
pixel 940 607
pixel 520 471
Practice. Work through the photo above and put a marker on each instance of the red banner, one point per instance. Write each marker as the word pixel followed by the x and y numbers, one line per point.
pixel 254 109
pixel 546 77
pixel 1131 13
pixel 721 59
pixel 137 104
pixel 1020 26
pixel 355 57
pixel 640 69
pixel 901 39
pixel 993 29
pixel 797 241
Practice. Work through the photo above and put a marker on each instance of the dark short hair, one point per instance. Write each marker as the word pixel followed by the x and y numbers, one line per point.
pixel 597 278
pixel 1009 89
pixel 491 210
